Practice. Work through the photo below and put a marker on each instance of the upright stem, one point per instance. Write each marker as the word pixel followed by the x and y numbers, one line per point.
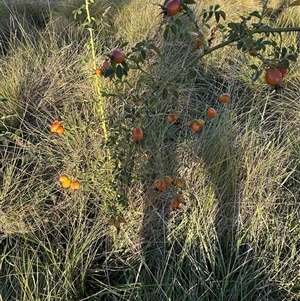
pixel 96 78
pixel 221 45
pixel 228 42
pixel 88 16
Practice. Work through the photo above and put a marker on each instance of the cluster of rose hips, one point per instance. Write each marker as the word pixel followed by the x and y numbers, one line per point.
pixel 161 185
pixel 172 118
pixel 116 56
pixel 274 73
pixel 66 182
pixel 196 125
pixel 274 76
pixel 57 128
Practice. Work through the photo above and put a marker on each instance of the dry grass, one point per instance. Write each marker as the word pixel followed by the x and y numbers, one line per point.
pixel 237 235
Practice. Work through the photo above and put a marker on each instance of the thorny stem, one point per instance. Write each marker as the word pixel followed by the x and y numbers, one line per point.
pixel 96 79
pixel 88 16
pixel 226 43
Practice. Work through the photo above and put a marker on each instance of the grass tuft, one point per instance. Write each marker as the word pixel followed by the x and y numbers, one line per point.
pixel 235 237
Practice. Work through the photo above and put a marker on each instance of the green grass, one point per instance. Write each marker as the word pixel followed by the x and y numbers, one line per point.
pixel 237 235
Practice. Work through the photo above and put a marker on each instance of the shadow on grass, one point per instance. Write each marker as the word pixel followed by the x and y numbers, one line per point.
pixel 218 265
pixel 213 261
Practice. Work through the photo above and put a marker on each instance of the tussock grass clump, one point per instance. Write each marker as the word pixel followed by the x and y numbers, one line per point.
pixel 235 237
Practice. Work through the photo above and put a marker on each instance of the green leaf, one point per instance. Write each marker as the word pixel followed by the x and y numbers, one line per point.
pixel 292 48
pixel 123 44
pixel 295 3
pixel 220 26
pixel 191 14
pixel 285 64
pixel 207 25
pixel 256 75
pixel 276 54
pixel 260 40
pixel 292 57
pixel 255 14
pixel 217 16
pixel 233 36
pixel 188 2
pixel 139 44
pixel 119 71
pixel 178 22
pixel 240 44
pixel 210 14
pixel 245 19
pixel 223 14
pixel 109 72
pixel 4 99
pixel 268 42
pixel 254 67
pixel 174 29
pixel 192 197
pixel 283 52
pixel 233 26
pixel 143 53
pixel 242 29
pixel 165 93
pixel 166 32
pixel 125 66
